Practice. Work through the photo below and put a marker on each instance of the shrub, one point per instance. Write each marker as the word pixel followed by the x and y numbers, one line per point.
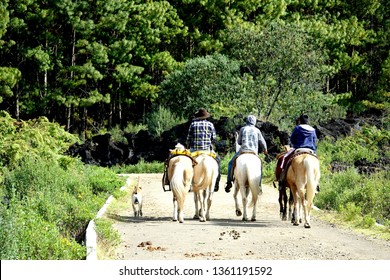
pixel 350 211
pixel 102 180
pixel 106 234
pixel 140 167
pixel 356 195
pixel 37 138
pixel 48 198
pixel 27 236
pixel 161 120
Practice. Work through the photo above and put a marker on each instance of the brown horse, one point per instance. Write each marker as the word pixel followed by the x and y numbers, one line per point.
pixel 284 197
pixel 205 176
pixel 285 193
pixel 180 173
pixel 303 177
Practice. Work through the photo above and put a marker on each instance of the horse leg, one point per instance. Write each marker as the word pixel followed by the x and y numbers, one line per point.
pixel 209 200
pixel 180 210
pixel 202 203
pixel 301 204
pixel 290 205
pixel 174 209
pixel 309 204
pixel 306 214
pixel 295 216
pixel 254 210
pixel 196 200
pixel 280 200
pixel 244 194
pixel 283 203
pixel 181 215
pixel 238 210
pixel 253 219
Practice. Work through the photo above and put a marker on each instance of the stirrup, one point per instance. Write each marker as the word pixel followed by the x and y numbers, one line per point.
pixel 165 183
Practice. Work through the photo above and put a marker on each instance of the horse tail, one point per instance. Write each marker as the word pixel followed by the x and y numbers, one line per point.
pixel 178 183
pixel 209 176
pixel 312 174
pixel 255 177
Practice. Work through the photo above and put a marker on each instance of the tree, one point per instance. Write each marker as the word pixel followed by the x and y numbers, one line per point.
pixel 284 71
pixel 81 61
pixel 355 35
pixel 9 76
pixel 212 82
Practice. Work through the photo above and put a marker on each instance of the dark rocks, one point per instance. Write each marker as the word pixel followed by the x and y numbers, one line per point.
pixel 102 150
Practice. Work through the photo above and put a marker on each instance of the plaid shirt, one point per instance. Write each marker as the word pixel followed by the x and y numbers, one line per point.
pixel 201 135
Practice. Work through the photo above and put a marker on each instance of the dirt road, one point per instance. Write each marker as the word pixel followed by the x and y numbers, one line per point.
pixel 226 237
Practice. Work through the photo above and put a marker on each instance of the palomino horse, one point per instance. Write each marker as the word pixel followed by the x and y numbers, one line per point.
pixel 247 174
pixel 303 177
pixel 180 173
pixel 203 182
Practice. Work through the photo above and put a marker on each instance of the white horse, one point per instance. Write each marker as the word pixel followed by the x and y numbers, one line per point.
pixel 205 176
pixel 180 173
pixel 247 174
pixel 303 177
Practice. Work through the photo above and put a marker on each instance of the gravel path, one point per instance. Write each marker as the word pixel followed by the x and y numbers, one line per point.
pixel 225 237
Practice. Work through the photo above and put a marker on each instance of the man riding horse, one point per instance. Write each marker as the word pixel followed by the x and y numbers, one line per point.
pixel 201 136
pixel 249 138
pixel 303 139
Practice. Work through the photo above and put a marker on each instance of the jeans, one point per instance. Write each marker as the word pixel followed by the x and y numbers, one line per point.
pixel 230 165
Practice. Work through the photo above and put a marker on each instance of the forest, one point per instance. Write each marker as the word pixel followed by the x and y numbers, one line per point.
pixel 91 65
pixel 72 70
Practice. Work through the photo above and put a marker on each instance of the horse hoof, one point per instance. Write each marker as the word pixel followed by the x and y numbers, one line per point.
pixel 253 219
pixel 245 219
pixel 296 224
pixel 238 213
pixel 307 225
pixel 196 217
pixel 181 222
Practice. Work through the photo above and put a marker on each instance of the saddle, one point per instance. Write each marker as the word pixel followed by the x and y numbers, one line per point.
pixel 209 153
pixel 288 159
pixel 234 162
pixel 181 152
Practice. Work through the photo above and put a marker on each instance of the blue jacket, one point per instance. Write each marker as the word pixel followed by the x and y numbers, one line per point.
pixel 304 136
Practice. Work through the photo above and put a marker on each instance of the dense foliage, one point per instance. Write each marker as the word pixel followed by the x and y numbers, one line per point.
pixel 93 65
pixel 359 195
pixel 47 199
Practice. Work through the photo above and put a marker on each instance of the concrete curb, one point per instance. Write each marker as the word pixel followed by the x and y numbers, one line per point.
pixel 90 235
